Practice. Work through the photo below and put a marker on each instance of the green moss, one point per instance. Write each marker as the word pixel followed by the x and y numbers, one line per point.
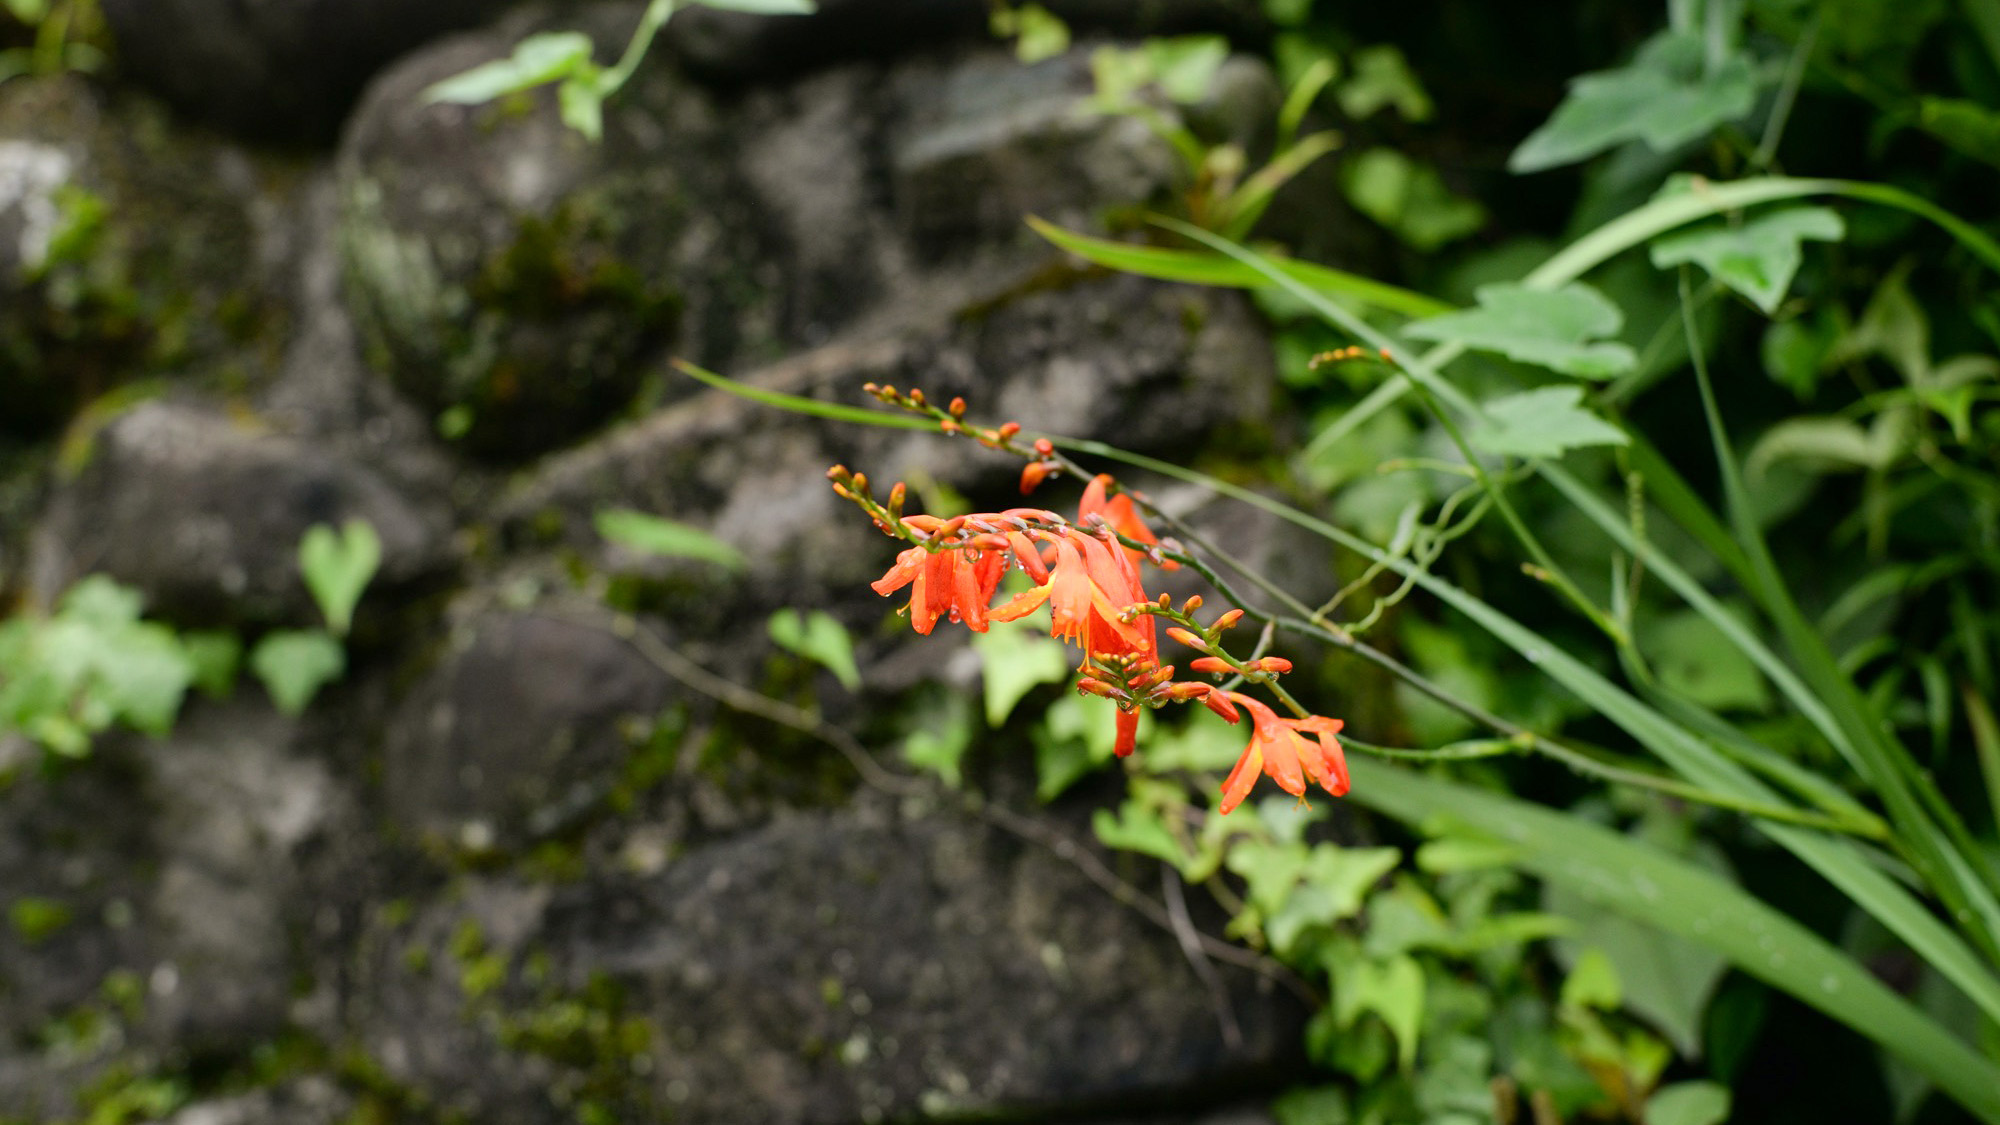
pixel 36 920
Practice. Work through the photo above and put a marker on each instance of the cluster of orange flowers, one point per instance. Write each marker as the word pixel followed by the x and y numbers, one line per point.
pixel 1090 578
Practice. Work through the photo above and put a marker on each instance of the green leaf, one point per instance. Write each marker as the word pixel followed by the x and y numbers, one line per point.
pixel 1695 659
pixel 30 12
pixel 295 664
pixel 1757 259
pixel 1184 66
pixel 763 7
pixel 214 656
pixel 942 735
pixel 1545 422
pixel 1553 329
pixel 1650 886
pixel 1270 870
pixel 1037 32
pixel 1313 1105
pixel 1410 199
pixel 1139 828
pixel 1075 737
pixel 337 567
pixel 1331 886
pixel 1828 443
pixel 142 673
pixel 582 106
pixel 819 638
pixel 1392 989
pixel 1967 126
pixel 1013 662
pixel 537 61
pixel 652 535
pixel 1662 98
pixel 1593 984
pixel 1688 1103
pixel 1214 269
pixel 1382 77
pixel 35 920
pixel 1665 979
pixel 101 603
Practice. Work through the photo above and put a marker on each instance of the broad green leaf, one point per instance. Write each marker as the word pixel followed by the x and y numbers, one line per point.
pixel 820 638
pixel 1545 422
pixel 762 7
pixel 1662 98
pixel 1650 886
pixel 1665 979
pixel 1184 66
pixel 1331 886
pixel 1037 32
pixel 537 60
pixel 30 12
pixel 1593 983
pixel 582 107
pixel 1688 1103
pixel 1795 352
pixel 1381 78
pixel 295 664
pixel 652 535
pixel 142 673
pixel 101 603
pixel 1696 660
pixel 1270 870
pixel 337 567
pixel 214 657
pixel 1410 199
pixel 1556 329
pixel 1757 259
pixel 1392 989
pixel 1137 828
pixel 1014 662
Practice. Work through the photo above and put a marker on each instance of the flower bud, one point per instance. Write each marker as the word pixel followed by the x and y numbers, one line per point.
pixel 1007 430
pixel 1192 640
pixel 1273 664
pixel 1186 690
pixel 1211 664
pixel 1193 603
pixel 916 397
pixel 1045 447
pixel 1218 702
pixel 957 407
pixel 1033 475
pixel 1228 620
pixel 1089 686
pixel 897 495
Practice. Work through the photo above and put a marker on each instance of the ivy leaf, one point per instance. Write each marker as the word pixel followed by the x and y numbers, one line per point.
pixel 214 656
pixel 1392 989
pixel 1664 99
pixel 1382 77
pixel 819 638
pixel 337 566
pixel 1545 422
pixel 651 535
pixel 1332 885
pixel 942 735
pixel 1689 1103
pixel 1410 199
pixel 142 673
pixel 1757 259
pixel 1548 328
pixel 582 106
pixel 1185 66
pixel 537 61
pixel 1013 662
pixel 1138 828
pixel 295 663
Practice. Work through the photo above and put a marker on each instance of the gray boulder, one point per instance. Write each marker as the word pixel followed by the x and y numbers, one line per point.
pixel 285 71
pixel 128 247
pixel 505 269
pixel 824 968
pixel 203 513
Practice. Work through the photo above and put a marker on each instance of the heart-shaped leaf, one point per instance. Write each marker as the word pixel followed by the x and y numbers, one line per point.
pixel 1545 422
pixel 337 567
pixel 1556 329
pixel 295 664
pixel 1756 259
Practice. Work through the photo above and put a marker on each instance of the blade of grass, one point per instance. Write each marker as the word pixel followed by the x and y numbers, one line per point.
pixel 799 404
pixel 1672 895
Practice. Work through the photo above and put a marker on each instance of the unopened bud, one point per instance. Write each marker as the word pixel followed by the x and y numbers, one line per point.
pixel 1045 447
pixel 897 495
pixel 950 426
pixel 1166 601
pixel 1007 430
pixel 1033 475
pixel 1272 664
pixel 1192 640
pixel 1193 603
pixel 1228 620
pixel 1089 686
pixel 957 407
pixel 872 388
pixel 1218 702
pixel 952 527
pixel 916 396
pixel 838 472
pixel 1186 690
pixel 886 390
pixel 1213 665
pixel 1156 677
pixel 860 483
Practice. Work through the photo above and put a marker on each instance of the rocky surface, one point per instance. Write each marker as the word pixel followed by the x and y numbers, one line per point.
pixel 520 866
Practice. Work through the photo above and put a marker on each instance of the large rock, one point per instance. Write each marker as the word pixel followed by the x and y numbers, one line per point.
pixel 831 968
pixel 286 71
pixel 506 269
pixel 735 47
pixel 128 247
pixel 203 513
pixel 521 728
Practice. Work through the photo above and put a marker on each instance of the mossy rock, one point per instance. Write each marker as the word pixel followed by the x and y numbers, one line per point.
pixel 128 247
pixel 509 274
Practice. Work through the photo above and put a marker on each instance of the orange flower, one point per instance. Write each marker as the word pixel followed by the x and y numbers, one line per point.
pixel 1086 590
pixel 1119 515
pixel 1278 747
pixel 955 583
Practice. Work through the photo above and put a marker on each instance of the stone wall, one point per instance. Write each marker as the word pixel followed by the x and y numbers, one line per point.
pixel 518 866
